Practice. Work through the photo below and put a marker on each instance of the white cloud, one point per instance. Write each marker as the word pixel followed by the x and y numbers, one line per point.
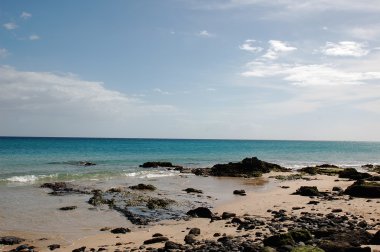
pixel 3 53
pixel 25 15
pixel 34 37
pixel 10 26
pixel 48 93
pixel 276 48
pixel 205 34
pixel 160 91
pixel 370 32
pixel 248 45
pixel 345 48
pixel 309 75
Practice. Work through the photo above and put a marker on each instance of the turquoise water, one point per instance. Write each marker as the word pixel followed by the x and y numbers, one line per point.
pixel 24 159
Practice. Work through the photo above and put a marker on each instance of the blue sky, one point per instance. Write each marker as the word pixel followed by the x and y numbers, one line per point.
pixel 245 69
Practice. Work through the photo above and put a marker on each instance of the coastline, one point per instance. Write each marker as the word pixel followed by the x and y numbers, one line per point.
pixel 273 195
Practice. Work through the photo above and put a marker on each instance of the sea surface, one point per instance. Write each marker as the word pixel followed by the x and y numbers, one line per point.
pixel 27 162
pixel 30 160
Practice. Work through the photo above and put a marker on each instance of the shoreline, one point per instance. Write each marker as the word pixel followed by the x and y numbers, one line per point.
pixel 256 204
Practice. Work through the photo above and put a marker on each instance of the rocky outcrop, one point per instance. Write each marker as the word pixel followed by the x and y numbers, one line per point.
pixel 63 188
pixel 363 189
pixel 308 191
pixel 248 167
pixel 10 240
pixel 143 187
pixel 353 174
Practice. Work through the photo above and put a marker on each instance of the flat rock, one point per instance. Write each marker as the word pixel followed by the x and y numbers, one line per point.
pixel 156 240
pixel 10 240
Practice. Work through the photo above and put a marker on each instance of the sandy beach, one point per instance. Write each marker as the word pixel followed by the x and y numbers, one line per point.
pixel 275 195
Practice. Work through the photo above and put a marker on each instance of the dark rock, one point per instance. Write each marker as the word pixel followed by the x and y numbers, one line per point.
pixel 157 235
pixel 375 239
pixel 120 230
pixel 62 188
pixel 10 240
pixel 239 192
pixel 54 246
pixel 156 240
pixel 227 215
pixel 364 189
pixel 337 189
pixel 300 235
pixel 143 187
pixel 248 167
pixel 81 249
pixel 353 174
pixel 313 202
pixel 172 245
pixel 201 212
pixel 159 164
pixel 327 166
pixel 155 203
pixel 192 190
pixel 279 240
pixel 86 163
pixel 97 198
pixel 308 191
pixel 201 171
pixel 68 208
pixel 338 210
pixel 195 231
pixel 190 239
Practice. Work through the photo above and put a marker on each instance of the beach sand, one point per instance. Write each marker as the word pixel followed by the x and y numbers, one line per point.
pixel 274 195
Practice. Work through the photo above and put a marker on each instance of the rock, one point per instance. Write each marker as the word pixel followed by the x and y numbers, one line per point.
pixel 313 202
pixel 279 240
pixel 143 187
pixel 248 167
pixel 337 210
pixel 240 192
pixel 159 164
pixel 300 235
pixel 364 189
pixel 68 208
pixel 195 231
pixel 81 249
pixel 157 235
pixel 54 246
pixel 201 212
pixel 155 203
pixel 86 163
pixel 10 240
pixel 375 239
pixel 267 249
pixel 308 191
pixel 192 190
pixel 353 174
pixel 156 240
pixel 190 239
pixel 327 166
pixel 172 245
pixel 337 189
pixel 120 230
pixel 97 198
pixel 201 171
pixel 227 215
pixel 307 249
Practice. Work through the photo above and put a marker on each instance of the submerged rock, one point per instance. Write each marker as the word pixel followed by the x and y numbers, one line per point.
pixel 364 189
pixel 156 164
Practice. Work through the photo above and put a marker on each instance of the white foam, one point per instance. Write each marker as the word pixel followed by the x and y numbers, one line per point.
pixel 151 174
pixel 23 179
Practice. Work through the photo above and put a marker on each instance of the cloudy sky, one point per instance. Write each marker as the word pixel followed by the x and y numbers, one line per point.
pixel 236 69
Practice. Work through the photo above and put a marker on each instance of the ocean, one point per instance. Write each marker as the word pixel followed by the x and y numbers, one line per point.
pixel 37 159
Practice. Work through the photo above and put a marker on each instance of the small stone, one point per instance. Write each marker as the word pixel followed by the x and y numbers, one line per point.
pixel 54 246
pixel 120 230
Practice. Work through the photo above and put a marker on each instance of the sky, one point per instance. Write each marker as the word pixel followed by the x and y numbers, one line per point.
pixel 214 69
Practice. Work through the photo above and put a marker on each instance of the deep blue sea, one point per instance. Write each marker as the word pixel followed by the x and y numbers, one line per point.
pixel 28 159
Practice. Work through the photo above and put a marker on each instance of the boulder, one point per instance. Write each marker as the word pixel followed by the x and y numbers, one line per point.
pixel 190 239
pixel 240 192
pixel 201 212
pixel 308 191
pixel 375 239
pixel 279 240
pixel 143 187
pixel 248 167
pixel 120 230
pixel 227 215
pixel 364 189
pixel 156 240
pixel 195 231
pixel 192 190
pixel 353 174
pixel 10 240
